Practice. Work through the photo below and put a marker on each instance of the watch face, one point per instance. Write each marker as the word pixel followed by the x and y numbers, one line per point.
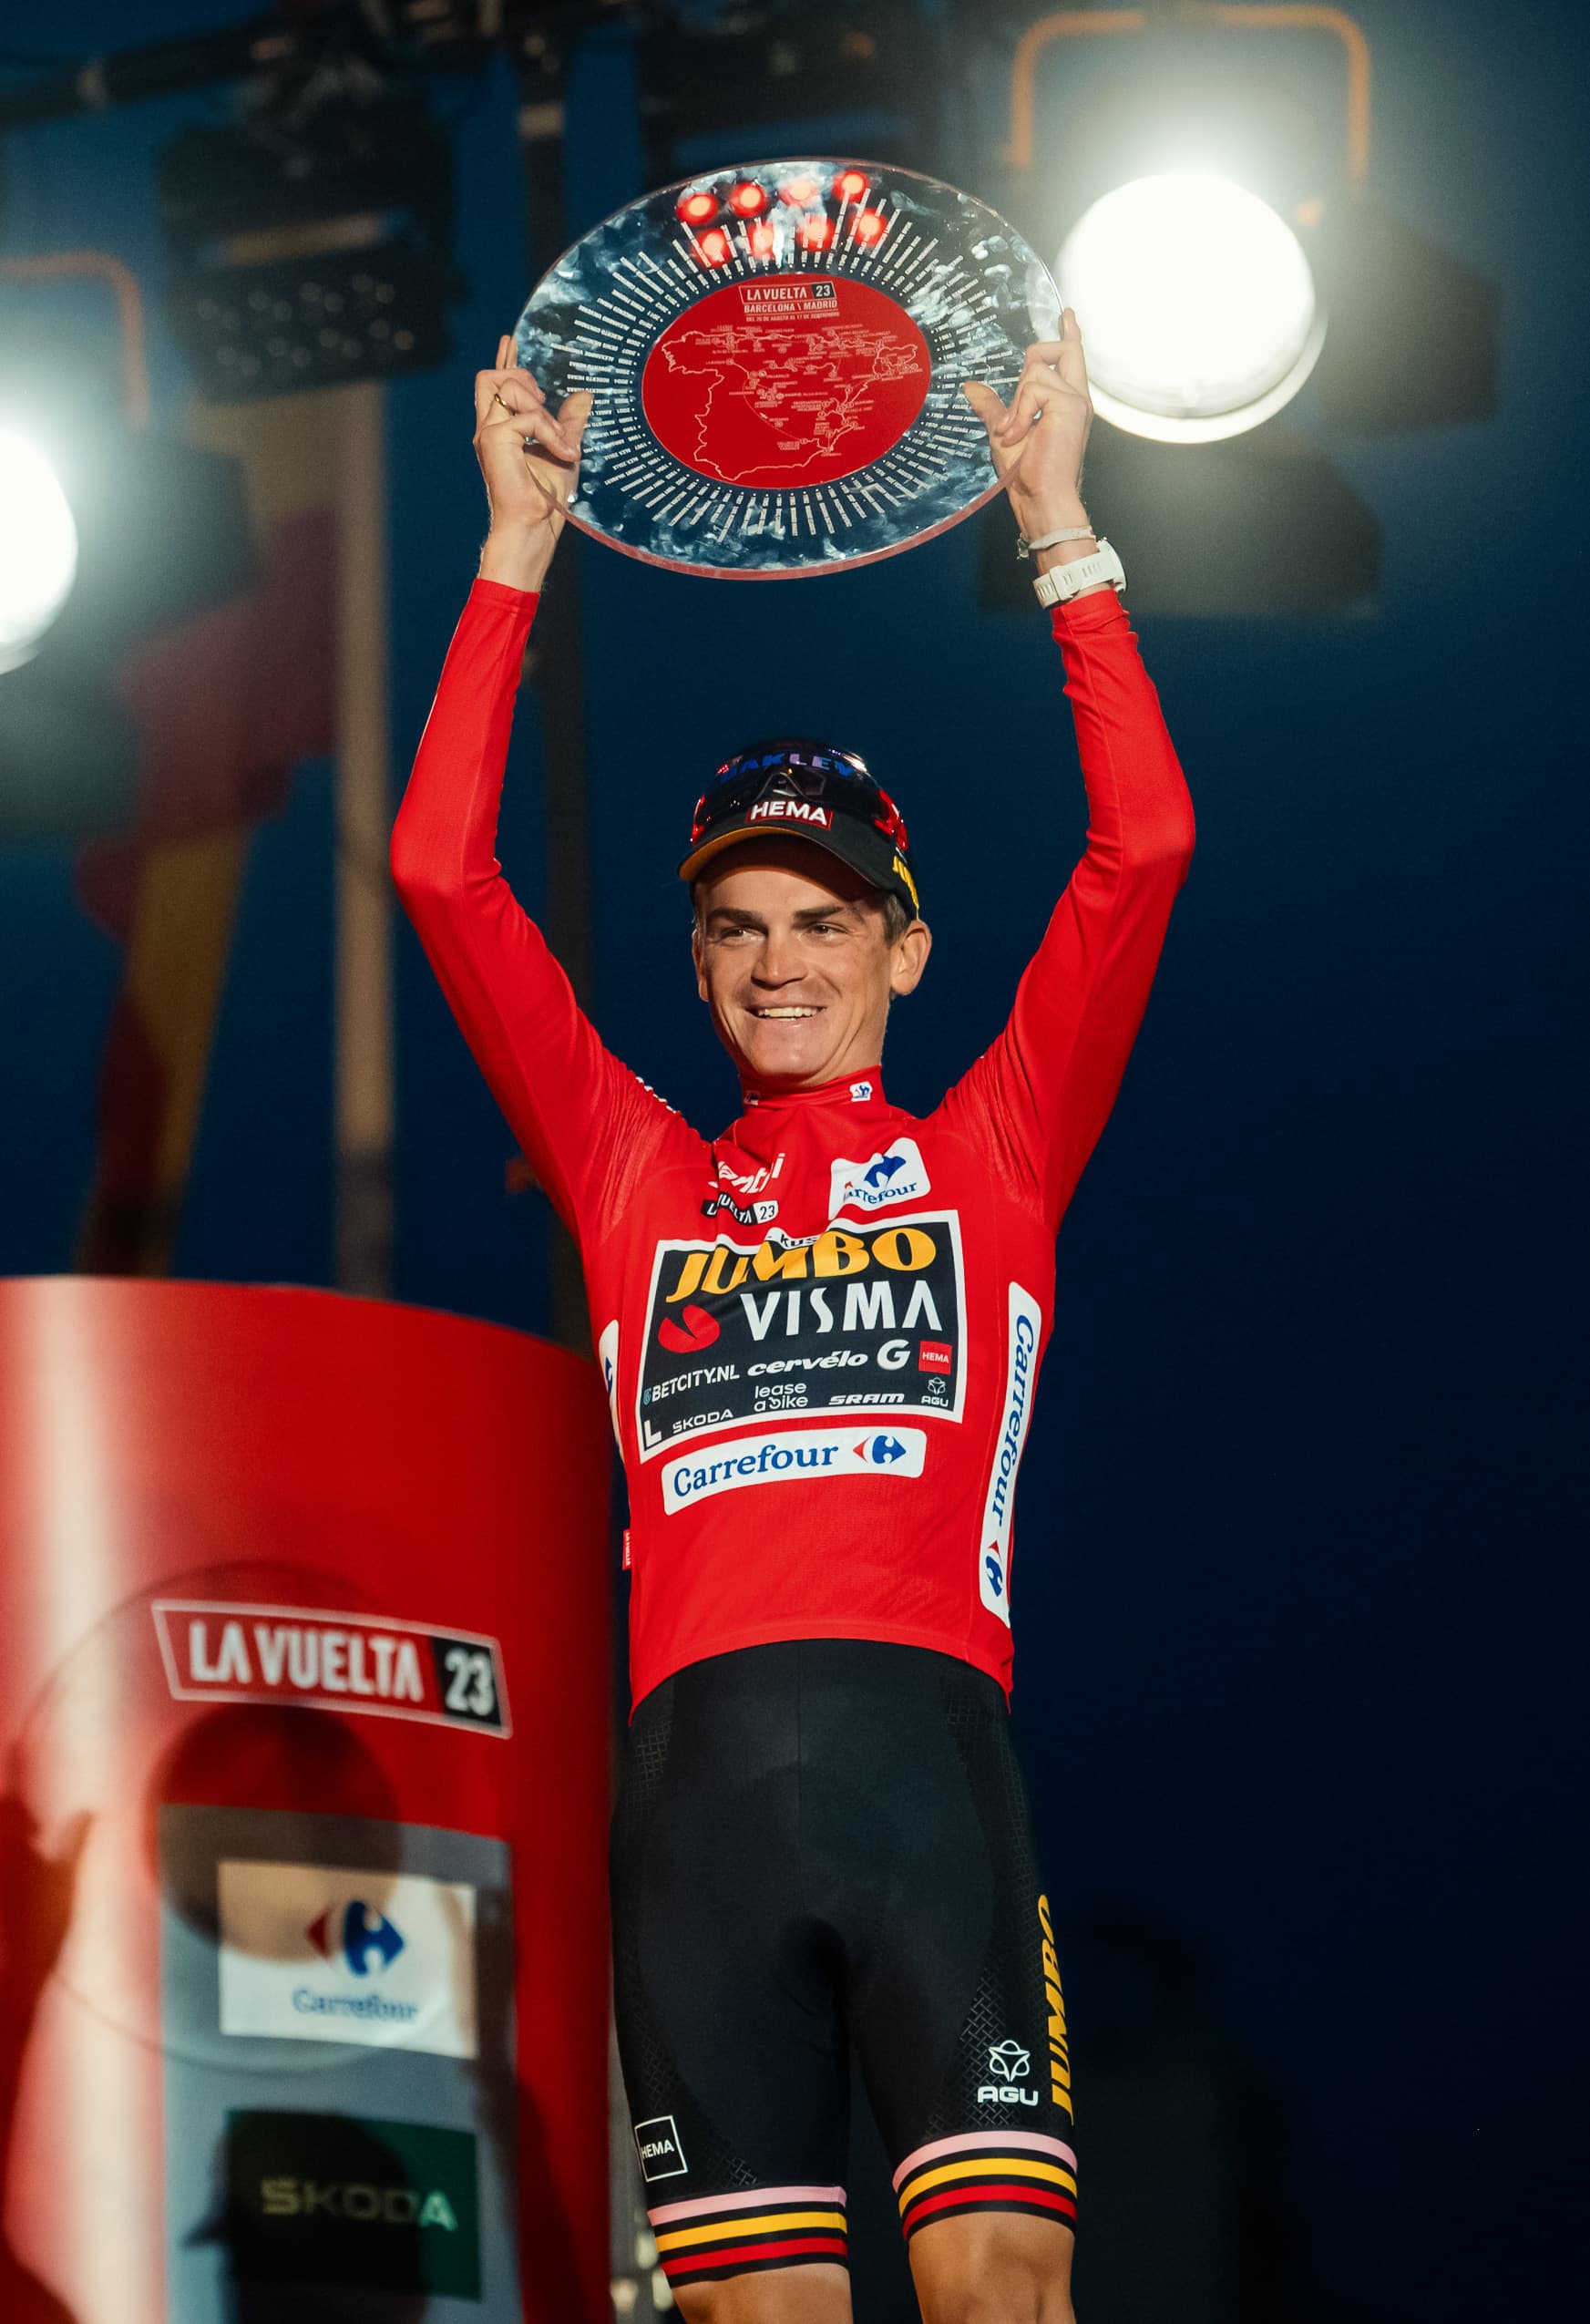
pixel 776 355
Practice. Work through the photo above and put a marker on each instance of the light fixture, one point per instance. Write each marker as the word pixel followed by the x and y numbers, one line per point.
pixel 1198 304
pixel 38 548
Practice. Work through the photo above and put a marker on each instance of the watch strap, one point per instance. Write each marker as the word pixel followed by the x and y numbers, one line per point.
pixel 1064 582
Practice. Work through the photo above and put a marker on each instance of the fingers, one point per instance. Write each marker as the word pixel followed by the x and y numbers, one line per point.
pixel 987 404
pixel 1052 366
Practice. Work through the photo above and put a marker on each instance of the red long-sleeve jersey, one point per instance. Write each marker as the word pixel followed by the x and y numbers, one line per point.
pixel 821 1330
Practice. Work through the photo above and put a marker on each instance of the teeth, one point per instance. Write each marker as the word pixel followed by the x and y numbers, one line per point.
pixel 785 1012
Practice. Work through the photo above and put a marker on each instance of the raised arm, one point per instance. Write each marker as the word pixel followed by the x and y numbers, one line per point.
pixel 1044 1090
pixel 584 1121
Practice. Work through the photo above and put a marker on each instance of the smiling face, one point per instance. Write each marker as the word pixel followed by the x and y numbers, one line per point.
pixel 792 958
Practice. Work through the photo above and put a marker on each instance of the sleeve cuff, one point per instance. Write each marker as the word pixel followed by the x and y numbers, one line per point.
pixel 490 593
pixel 1101 608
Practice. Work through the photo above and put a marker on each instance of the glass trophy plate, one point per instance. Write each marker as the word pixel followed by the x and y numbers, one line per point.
pixel 776 355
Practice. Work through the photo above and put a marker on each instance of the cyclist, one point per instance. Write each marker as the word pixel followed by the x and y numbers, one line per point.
pixel 821 1333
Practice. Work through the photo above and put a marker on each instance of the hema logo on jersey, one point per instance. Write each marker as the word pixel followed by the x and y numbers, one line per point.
pixel 316 1952
pixel 1025 1328
pixel 897 1175
pixel 789 1457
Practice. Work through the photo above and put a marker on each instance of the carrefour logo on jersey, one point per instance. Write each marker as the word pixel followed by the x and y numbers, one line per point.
pixel 897 1175
pixel 1024 1329
pixel 858 1318
pixel 314 1953
pixel 791 1456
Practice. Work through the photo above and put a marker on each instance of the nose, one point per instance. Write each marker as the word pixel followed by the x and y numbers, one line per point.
pixel 775 962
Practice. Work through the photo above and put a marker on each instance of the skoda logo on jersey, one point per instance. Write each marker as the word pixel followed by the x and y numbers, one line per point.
pixel 897 1175
pixel 365 1938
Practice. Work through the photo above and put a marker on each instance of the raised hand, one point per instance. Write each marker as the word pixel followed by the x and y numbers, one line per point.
pixel 529 459
pixel 1038 440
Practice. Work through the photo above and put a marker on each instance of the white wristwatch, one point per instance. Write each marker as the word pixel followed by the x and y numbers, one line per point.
pixel 1062 581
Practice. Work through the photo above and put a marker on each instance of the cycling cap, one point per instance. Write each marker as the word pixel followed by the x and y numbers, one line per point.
pixel 796 788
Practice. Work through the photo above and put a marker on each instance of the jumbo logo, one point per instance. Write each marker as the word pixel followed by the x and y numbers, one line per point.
pixel 856 1316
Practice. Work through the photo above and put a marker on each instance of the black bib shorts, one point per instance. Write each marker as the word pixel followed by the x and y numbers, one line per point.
pixel 821 1852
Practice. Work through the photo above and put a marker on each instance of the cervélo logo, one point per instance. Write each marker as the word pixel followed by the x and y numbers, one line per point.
pixel 379 2207
pixel 219 1652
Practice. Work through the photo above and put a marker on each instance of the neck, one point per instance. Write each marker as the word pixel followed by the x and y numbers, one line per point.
pixel 854 1088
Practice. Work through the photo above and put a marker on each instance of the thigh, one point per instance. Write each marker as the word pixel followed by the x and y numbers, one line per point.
pixel 728 2019
pixel 957 2006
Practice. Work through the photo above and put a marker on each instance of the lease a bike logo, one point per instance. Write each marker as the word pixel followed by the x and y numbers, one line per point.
pixel 897 1175
pixel 865 1317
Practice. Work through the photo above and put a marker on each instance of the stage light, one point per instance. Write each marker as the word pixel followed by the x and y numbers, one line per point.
pixel 38 548
pixel 1202 317
pixel 310 249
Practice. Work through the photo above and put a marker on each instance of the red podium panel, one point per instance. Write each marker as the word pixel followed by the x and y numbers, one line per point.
pixel 304 1707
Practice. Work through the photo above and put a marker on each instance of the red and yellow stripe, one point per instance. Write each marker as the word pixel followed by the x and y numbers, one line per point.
pixel 988 2171
pixel 733 2234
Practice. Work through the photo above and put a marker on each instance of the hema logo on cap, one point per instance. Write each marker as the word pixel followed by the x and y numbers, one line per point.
pixel 791 1454
pixel 1026 1325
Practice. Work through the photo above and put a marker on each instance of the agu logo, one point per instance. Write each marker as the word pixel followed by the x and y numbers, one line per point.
pixel 357 1934
pixel 1010 2063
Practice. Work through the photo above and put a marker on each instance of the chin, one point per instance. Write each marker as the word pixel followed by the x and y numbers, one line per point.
pixel 782 1058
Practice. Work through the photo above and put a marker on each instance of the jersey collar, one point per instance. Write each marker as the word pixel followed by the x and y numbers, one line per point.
pixel 850 1089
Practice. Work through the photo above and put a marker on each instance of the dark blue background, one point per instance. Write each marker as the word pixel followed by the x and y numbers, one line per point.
pixel 1302 1607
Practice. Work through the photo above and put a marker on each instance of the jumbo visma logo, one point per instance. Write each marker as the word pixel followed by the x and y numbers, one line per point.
pixel 865 1318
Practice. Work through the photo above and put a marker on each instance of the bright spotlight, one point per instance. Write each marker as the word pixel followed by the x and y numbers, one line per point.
pixel 38 547
pixel 1197 303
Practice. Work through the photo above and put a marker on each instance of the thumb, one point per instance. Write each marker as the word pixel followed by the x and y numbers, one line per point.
pixel 575 410
pixel 984 402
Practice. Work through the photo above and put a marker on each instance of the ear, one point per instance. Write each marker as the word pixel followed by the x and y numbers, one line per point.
pixel 698 955
pixel 909 959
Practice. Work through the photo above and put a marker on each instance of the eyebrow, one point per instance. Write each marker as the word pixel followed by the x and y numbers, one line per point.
pixel 808 916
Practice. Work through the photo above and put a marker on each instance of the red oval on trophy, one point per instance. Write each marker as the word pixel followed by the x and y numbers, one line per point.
pixel 791 379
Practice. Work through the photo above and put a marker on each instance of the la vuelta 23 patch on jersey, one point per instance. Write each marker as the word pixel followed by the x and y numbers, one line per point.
pixel 865 1318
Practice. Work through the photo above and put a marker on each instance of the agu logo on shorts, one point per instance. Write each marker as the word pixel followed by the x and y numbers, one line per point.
pixel 379 2207
pixel 790 1455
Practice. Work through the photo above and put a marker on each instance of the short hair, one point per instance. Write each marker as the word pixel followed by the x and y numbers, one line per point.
pixel 898 915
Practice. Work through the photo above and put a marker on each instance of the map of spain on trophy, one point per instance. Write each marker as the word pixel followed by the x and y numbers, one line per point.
pixel 776 355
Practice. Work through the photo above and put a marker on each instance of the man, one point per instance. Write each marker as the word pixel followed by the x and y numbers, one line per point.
pixel 821 1334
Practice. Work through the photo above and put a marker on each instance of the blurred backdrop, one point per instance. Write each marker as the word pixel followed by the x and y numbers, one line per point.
pixel 1299 1683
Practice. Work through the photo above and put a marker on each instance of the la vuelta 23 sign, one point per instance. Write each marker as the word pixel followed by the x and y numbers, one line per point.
pixel 855 1321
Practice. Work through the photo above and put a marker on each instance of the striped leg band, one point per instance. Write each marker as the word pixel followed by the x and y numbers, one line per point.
pixel 736 2235
pixel 988 2171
